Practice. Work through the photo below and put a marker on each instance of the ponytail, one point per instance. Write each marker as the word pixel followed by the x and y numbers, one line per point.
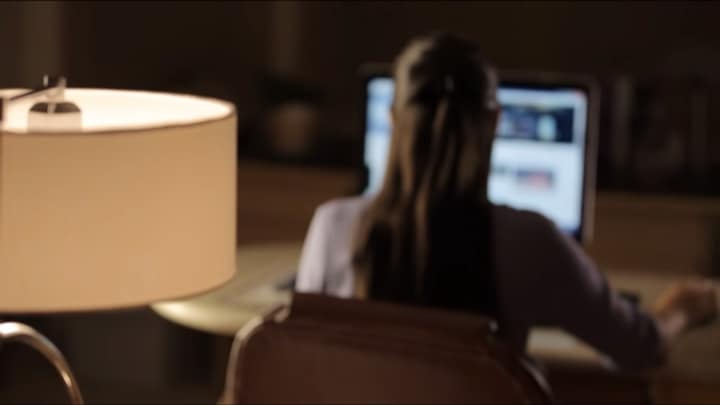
pixel 426 236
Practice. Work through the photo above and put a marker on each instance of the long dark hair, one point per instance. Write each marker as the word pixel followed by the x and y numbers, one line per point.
pixel 427 234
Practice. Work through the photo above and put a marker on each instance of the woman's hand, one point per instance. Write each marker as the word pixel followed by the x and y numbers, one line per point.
pixel 686 305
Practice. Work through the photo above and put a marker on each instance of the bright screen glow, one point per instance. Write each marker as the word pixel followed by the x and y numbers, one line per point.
pixel 538 155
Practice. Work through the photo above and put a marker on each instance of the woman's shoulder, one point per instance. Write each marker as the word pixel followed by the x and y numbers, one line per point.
pixel 509 217
pixel 543 244
pixel 341 211
pixel 343 206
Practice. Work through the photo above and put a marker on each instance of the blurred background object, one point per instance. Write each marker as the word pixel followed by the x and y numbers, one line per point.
pixel 661 135
pixel 289 126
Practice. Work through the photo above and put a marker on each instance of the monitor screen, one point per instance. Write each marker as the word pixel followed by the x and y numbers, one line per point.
pixel 538 158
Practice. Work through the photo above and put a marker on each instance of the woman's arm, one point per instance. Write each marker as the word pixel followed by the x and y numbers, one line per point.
pixel 580 300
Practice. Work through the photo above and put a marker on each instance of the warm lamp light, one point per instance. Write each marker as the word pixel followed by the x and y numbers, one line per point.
pixel 134 204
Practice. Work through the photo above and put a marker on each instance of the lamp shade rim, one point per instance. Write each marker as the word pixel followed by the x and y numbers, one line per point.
pixel 130 130
pixel 114 306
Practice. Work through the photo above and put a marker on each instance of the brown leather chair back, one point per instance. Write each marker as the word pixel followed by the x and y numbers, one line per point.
pixel 330 350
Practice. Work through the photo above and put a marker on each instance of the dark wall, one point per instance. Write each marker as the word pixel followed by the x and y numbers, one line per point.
pixel 9 43
pixel 166 45
pixel 149 44
pixel 601 38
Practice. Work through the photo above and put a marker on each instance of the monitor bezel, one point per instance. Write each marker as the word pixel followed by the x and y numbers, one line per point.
pixel 526 79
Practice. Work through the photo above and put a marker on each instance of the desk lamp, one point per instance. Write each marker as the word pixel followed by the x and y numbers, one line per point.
pixel 111 199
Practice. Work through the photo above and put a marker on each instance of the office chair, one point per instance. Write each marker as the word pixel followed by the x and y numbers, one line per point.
pixel 324 350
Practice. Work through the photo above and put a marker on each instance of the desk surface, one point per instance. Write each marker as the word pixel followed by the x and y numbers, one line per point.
pixel 251 292
pixel 262 267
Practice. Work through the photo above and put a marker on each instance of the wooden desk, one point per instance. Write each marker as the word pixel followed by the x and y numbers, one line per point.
pixel 693 368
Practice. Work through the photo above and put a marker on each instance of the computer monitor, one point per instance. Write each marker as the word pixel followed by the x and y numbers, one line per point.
pixel 543 158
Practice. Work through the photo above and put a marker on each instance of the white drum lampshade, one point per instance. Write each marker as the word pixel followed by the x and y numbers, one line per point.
pixel 134 204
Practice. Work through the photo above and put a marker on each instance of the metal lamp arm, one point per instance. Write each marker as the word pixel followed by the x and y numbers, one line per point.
pixel 50 83
pixel 13 331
